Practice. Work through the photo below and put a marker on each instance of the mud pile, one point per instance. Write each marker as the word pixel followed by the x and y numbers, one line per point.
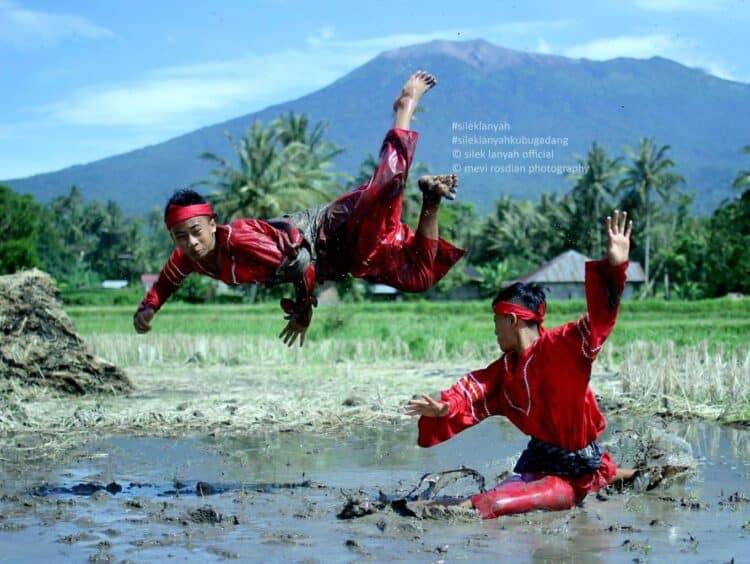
pixel 39 345
pixel 662 458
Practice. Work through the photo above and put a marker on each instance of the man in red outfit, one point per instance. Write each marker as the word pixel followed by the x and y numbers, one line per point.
pixel 359 233
pixel 541 383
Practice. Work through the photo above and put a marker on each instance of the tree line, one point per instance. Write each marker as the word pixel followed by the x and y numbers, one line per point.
pixel 286 165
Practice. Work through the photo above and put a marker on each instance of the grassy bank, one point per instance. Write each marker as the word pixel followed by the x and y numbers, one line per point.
pixel 339 396
pixel 422 325
pixel 221 367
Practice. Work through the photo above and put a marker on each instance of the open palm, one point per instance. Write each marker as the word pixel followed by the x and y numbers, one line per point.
pixel 618 231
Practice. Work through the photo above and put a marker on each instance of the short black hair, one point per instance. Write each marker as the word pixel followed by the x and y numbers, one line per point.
pixel 184 197
pixel 530 296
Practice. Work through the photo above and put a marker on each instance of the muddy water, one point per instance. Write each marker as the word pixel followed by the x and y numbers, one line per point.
pixel 158 516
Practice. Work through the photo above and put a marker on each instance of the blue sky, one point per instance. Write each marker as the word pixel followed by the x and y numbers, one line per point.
pixel 85 79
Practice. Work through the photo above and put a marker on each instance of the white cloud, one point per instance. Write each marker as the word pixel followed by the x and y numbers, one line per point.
pixel 321 35
pixel 543 47
pixel 68 145
pixel 682 5
pixel 711 66
pixel 647 46
pixel 638 46
pixel 146 103
pixel 187 96
pixel 191 95
pixel 534 26
pixel 496 33
pixel 30 28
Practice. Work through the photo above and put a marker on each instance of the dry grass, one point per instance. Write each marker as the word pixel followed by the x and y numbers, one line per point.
pixel 39 345
pixel 229 400
pixel 686 381
pixel 130 350
pixel 706 381
pixel 230 385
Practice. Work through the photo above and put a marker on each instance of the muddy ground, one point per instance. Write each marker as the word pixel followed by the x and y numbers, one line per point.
pixel 106 479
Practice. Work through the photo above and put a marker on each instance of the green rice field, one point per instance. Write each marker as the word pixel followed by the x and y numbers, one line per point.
pixel 720 322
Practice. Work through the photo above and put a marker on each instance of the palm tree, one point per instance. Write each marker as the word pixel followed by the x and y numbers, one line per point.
pixel 281 168
pixel 241 190
pixel 512 231
pixel 648 173
pixel 364 173
pixel 743 177
pixel 294 128
pixel 594 192
pixel 309 151
pixel 562 224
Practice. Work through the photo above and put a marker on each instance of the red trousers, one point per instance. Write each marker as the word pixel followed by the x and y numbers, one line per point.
pixel 527 492
pixel 378 246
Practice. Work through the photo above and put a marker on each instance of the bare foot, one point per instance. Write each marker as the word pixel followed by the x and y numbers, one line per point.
pixel 625 474
pixel 415 87
pixel 439 186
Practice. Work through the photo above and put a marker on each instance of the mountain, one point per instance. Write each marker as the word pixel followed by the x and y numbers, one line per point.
pixel 498 98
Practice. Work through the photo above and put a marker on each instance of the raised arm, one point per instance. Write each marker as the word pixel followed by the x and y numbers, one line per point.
pixel 605 282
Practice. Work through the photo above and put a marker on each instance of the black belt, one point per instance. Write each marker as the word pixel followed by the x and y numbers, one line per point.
pixel 542 457
pixel 308 222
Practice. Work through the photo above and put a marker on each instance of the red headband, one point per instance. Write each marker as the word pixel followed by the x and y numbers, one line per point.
pixel 522 312
pixel 176 214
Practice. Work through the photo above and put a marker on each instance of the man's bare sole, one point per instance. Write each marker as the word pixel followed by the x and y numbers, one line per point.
pixel 413 90
pixel 439 186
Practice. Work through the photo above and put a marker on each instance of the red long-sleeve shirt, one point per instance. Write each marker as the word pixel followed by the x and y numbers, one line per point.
pixel 250 250
pixel 545 390
pixel 361 233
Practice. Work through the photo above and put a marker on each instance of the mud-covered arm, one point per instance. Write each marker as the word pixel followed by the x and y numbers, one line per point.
pixel 469 401
pixel 298 269
pixel 302 276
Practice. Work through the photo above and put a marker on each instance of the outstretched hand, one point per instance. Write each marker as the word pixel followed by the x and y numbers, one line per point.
pixel 427 407
pixel 618 243
pixel 299 316
pixel 292 331
pixel 142 319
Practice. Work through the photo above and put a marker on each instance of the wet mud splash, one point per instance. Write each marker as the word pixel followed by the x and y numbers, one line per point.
pixel 661 458
pixel 261 507
pixel 201 489
pixel 412 504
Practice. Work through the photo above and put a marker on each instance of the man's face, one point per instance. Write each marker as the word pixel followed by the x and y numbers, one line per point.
pixel 504 331
pixel 195 236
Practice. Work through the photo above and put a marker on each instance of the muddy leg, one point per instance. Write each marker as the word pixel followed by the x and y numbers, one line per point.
pixel 407 101
pixel 433 189
pixel 439 186
pixel 625 475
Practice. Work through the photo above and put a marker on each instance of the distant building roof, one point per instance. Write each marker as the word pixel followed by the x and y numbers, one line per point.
pixel 383 289
pixel 570 267
pixel 114 284
pixel 149 278
pixel 635 272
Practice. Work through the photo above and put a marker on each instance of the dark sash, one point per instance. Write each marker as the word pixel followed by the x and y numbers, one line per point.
pixel 544 458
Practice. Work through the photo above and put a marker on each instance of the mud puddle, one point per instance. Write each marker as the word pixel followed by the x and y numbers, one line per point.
pixel 277 497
